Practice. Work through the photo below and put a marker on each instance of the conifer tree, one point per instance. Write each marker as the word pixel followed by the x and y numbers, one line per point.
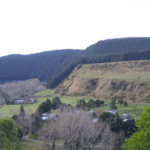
pixel 125 104
pixel 113 104
pixel 22 112
pixel 120 101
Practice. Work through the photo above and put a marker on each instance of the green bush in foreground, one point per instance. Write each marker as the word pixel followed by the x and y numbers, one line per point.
pixel 140 140
pixel 33 136
pixel 9 135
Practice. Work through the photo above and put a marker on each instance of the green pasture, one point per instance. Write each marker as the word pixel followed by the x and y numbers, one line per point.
pixel 132 108
pixel 45 92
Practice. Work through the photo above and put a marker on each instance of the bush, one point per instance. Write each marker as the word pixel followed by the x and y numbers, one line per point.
pixel 15 117
pixel 129 127
pixel 98 102
pixel 94 115
pixel 125 104
pixel 20 133
pixel 105 116
pixel 116 124
pixel 33 136
pixel 81 102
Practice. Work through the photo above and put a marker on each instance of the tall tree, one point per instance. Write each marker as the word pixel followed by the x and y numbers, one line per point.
pixel 48 105
pixel 125 104
pixel 113 104
pixel 120 101
pixel 8 135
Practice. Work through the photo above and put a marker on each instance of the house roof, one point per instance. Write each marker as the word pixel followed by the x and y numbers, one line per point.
pixel 126 115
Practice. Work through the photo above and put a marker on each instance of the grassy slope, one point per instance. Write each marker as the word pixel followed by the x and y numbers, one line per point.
pixel 131 76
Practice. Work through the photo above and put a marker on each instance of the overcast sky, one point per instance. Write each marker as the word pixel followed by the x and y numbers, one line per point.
pixel 30 26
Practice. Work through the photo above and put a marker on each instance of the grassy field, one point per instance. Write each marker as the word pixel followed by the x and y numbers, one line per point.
pixel 7 110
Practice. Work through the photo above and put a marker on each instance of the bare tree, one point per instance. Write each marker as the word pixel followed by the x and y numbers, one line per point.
pixel 26 124
pixel 111 140
pixel 49 133
pixel 77 130
pixel 17 90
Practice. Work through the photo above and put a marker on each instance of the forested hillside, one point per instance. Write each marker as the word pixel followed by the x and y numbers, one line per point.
pixel 54 66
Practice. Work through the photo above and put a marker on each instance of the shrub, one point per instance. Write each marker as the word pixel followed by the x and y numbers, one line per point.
pixel 81 102
pixel 116 124
pixel 33 136
pixel 20 133
pixel 129 127
pixel 105 116
pixel 15 117
pixel 125 104
pixel 98 102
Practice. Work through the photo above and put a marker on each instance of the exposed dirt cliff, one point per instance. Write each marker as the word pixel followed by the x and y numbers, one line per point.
pixel 127 79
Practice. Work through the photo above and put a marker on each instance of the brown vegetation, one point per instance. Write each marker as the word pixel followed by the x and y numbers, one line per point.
pixel 119 79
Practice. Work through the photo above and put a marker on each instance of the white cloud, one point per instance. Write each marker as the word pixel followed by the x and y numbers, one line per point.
pixel 33 25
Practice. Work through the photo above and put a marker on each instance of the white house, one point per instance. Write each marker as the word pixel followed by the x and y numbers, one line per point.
pixel 111 111
pixel 32 100
pixel 44 117
pixel 19 102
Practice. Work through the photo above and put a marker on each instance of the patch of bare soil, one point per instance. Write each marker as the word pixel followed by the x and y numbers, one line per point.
pixel 127 79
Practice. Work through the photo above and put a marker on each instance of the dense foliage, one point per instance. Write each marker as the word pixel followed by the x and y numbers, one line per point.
pixel 9 135
pixel 140 139
pixel 91 103
pixel 105 116
pixel 45 106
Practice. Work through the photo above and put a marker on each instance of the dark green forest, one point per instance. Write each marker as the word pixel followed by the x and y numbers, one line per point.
pixel 54 66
